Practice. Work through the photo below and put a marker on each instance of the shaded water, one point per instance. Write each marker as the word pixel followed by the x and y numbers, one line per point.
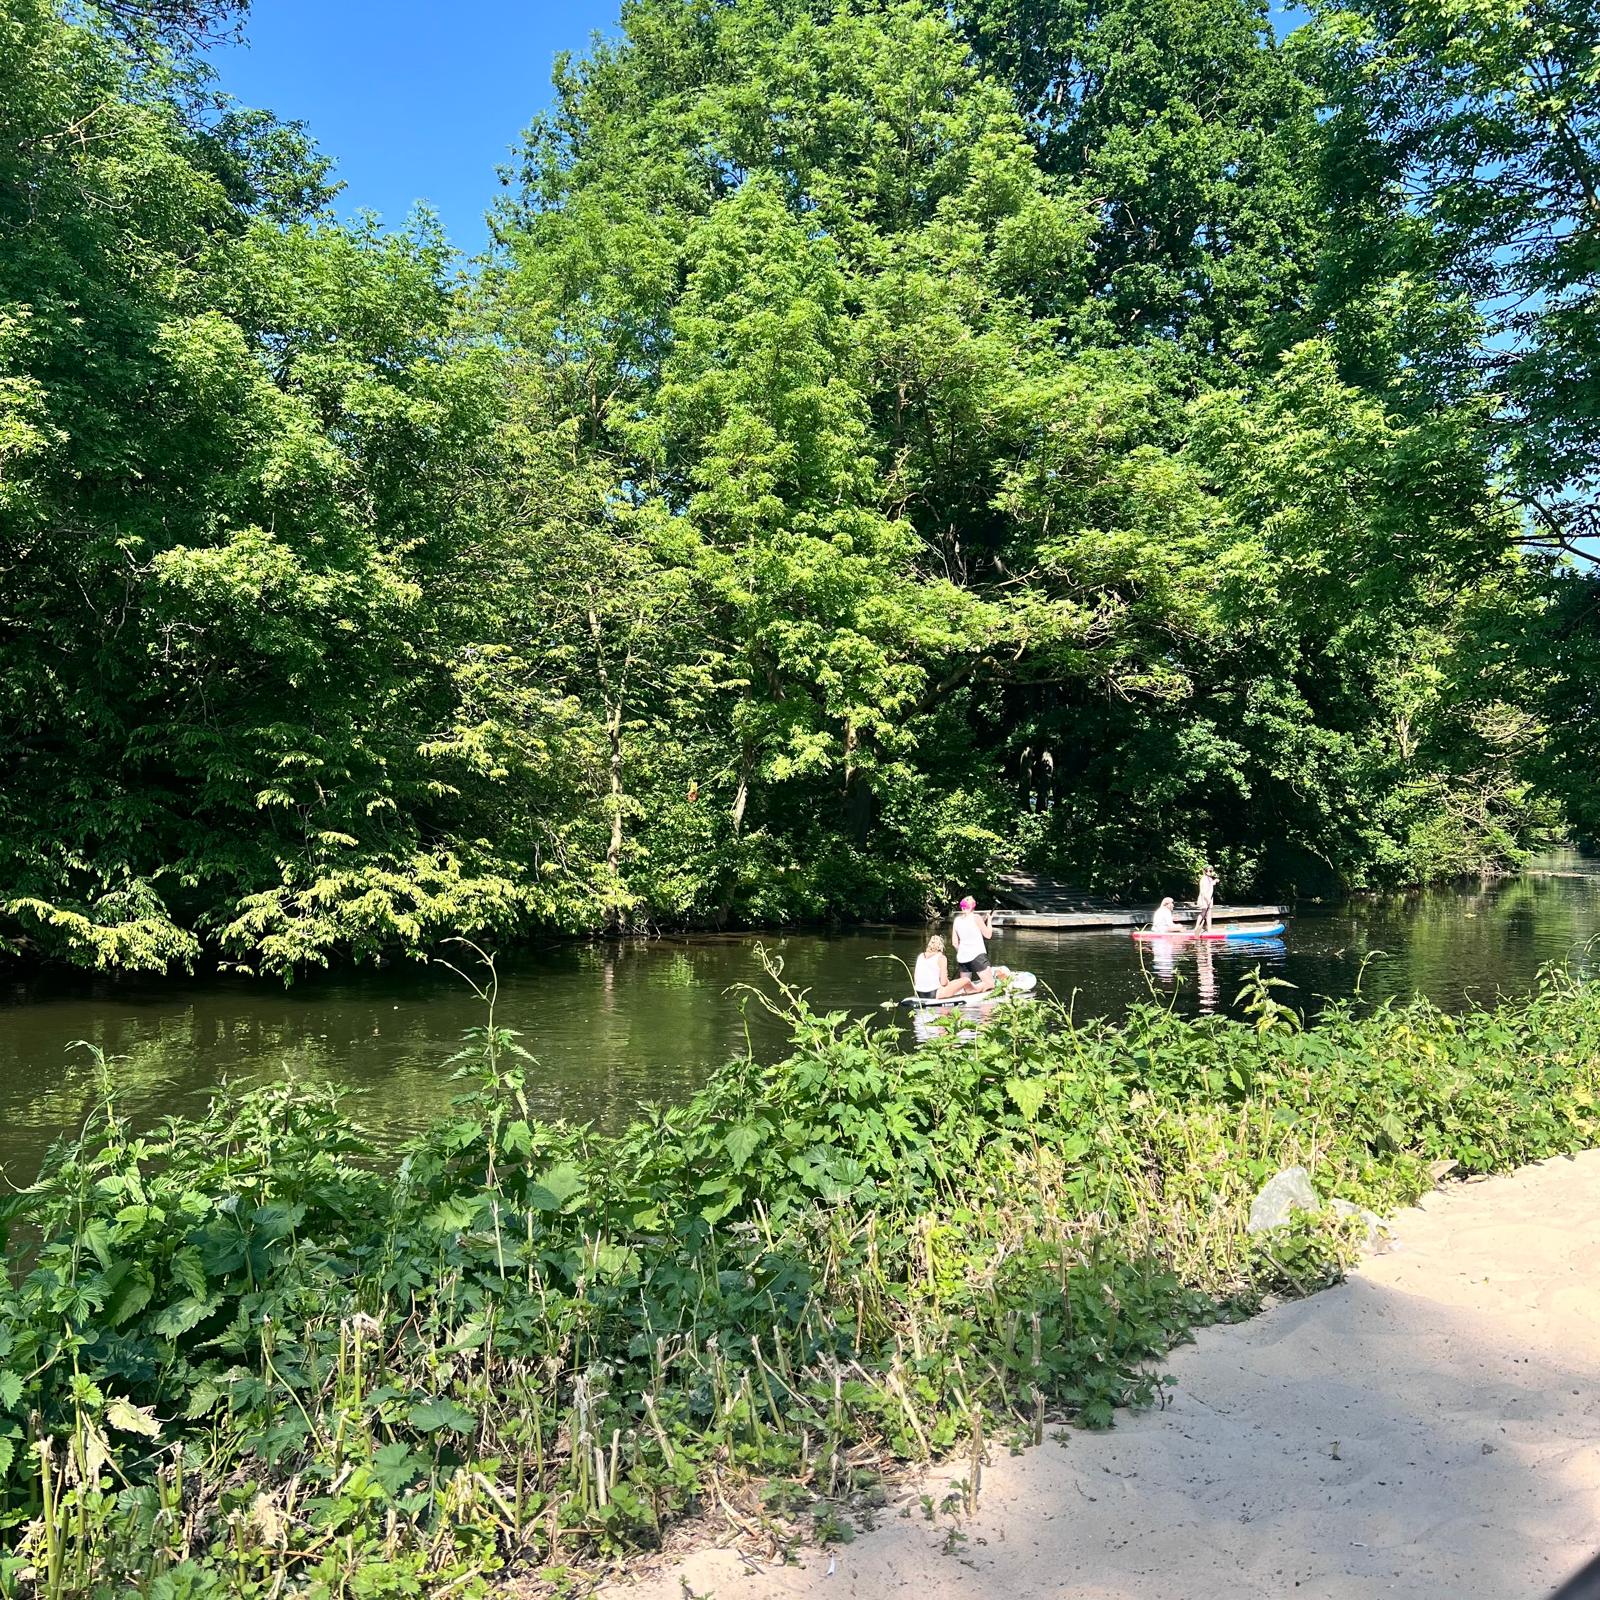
pixel 614 1024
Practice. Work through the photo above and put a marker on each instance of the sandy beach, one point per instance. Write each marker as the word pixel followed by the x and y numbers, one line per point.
pixel 1429 1427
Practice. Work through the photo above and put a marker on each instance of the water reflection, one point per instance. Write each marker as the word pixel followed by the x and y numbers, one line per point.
pixel 963 1020
pixel 615 1024
pixel 1202 964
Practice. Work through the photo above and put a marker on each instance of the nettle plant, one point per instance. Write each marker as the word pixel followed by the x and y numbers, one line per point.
pixel 256 1349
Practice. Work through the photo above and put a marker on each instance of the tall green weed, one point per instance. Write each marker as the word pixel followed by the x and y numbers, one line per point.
pixel 252 1352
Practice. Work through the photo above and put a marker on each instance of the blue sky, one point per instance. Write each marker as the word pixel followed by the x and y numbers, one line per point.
pixel 420 99
pixel 414 99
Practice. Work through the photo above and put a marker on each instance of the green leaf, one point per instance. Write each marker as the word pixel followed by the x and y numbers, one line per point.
pixel 10 1389
pixel 97 1235
pixel 185 1314
pixel 838 1178
pixel 473 1334
pixel 742 1143
pixel 556 1187
pixel 395 1465
pixel 189 1270
pixel 277 1220
pixel 126 1417
pixel 202 1399
pixel 432 1416
pixel 1076 1148
pixel 613 1261
pixel 730 1199
pixel 456 1214
pixel 1028 1095
pixel 131 1289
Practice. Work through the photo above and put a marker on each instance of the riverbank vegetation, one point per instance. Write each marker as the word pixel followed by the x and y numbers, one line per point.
pixel 884 443
pixel 249 1354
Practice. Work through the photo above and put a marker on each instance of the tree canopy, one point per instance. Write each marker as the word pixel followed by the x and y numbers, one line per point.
pixel 884 444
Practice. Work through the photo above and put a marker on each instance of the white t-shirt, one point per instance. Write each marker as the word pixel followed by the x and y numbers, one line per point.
pixel 928 976
pixel 969 937
pixel 1162 921
pixel 1208 889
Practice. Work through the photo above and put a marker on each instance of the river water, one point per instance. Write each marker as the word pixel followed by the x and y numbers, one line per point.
pixel 614 1024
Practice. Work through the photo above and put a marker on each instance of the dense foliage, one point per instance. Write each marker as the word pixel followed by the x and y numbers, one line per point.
pixel 238 1356
pixel 885 444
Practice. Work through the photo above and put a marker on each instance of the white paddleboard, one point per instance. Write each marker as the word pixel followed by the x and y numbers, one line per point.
pixel 1018 984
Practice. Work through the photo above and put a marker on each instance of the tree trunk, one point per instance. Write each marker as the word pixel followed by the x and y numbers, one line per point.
pixel 611 701
pixel 857 795
pixel 614 734
pixel 741 800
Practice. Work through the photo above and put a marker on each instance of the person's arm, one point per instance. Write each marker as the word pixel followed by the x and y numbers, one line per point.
pixel 983 922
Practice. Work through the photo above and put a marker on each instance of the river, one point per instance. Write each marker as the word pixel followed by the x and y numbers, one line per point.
pixel 616 1023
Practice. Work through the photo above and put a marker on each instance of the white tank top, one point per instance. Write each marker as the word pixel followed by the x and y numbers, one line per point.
pixel 927 972
pixel 969 937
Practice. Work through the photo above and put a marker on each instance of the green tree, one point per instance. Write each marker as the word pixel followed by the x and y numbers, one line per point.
pixel 881 446
pixel 239 447
pixel 1464 171
pixel 1476 132
pixel 1194 137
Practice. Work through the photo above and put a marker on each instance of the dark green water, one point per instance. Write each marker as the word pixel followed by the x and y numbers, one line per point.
pixel 616 1024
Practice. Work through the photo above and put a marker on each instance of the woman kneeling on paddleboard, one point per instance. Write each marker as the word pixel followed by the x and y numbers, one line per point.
pixel 971 933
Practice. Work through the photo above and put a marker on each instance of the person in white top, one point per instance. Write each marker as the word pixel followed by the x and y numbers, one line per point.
pixel 1162 920
pixel 1204 900
pixel 971 934
pixel 932 978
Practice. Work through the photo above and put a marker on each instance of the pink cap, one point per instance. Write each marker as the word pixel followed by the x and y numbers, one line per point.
pixel 968 903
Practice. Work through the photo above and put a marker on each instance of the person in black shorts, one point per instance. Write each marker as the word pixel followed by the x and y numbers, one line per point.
pixel 970 934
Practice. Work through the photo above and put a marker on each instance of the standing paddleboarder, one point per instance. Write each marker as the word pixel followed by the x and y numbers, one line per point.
pixel 1204 900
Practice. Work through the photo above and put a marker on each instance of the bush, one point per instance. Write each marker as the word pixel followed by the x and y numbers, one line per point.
pixel 251 1351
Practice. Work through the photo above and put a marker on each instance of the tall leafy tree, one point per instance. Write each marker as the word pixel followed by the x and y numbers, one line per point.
pixel 1193 135
pixel 721 354
pixel 883 445
pixel 1478 130
pixel 238 440
pixel 1464 171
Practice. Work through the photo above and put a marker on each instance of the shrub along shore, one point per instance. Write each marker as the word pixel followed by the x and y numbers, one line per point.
pixel 252 1353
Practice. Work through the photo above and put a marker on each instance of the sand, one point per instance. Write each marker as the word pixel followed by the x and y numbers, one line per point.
pixel 1428 1427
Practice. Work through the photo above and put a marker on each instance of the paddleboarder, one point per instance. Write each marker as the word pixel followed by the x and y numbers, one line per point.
pixel 1204 900
pixel 1162 919
pixel 970 934
pixel 932 979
